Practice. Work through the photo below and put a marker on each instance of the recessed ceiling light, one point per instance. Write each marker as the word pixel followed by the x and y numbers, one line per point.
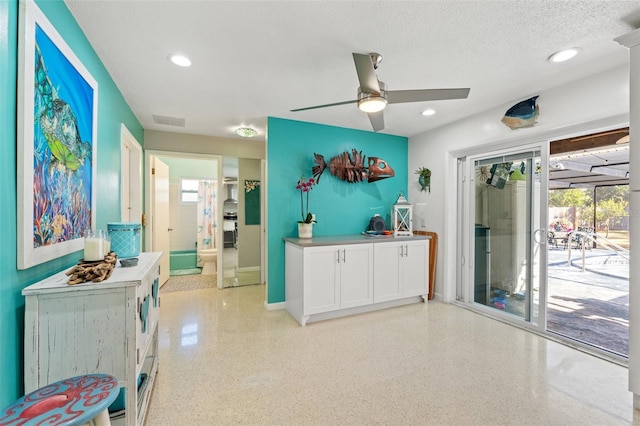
pixel 564 55
pixel 246 132
pixel 428 112
pixel 180 60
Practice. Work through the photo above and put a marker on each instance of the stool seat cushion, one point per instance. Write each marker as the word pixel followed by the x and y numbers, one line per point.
pixel 73 401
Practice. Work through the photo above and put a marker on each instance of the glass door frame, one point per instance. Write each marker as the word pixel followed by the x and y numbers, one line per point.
pixel 466 229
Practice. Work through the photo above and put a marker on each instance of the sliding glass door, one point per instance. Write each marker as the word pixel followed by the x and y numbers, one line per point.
pixel 507 239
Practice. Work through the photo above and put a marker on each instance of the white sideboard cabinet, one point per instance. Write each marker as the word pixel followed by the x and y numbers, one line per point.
pixel 401 270
pixel 109 327
pixel 328 277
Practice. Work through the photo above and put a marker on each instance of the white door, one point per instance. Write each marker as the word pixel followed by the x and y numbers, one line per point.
pixel 386 269
pixel 322 279
pixel 415 281
pixel 160 187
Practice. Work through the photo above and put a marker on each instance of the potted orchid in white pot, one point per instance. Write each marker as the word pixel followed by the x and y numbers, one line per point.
pixel 305 226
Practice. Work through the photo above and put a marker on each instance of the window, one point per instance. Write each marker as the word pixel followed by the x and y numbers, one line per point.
pixel 189 190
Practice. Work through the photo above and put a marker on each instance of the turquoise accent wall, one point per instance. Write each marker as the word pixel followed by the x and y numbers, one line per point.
pixel 112 111
pixel 341 208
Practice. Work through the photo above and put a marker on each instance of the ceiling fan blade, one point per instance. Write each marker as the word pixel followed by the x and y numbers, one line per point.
pixel 324 106
pixel 402 96
pixel 366 74
pixel 377 120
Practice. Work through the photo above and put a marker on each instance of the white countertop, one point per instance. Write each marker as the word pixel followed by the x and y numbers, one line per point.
pixel 350 239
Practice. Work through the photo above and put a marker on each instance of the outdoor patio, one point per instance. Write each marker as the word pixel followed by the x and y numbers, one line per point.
pixel 591 306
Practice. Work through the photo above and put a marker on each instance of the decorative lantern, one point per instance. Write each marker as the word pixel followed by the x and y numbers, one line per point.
pixel 402 217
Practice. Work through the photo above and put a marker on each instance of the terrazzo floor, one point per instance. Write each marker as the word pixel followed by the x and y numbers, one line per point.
pixel 224 359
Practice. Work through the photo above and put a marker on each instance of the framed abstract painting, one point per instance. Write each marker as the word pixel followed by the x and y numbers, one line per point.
pixel 57 129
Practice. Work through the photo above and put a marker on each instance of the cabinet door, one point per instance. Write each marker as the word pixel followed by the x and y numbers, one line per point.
pixel 321 280
pixel 415 267
pixel 80 333
pixel 387 272
pixel 356 275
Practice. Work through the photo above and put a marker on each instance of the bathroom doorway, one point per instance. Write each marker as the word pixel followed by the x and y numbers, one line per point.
pixel 194 211
pixel 236 226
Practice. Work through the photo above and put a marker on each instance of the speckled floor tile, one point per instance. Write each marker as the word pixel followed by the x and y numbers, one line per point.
pixel 224 360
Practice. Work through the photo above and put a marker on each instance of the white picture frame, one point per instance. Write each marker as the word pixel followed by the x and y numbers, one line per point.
pixel 56 143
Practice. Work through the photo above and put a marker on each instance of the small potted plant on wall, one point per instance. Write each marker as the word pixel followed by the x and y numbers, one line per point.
pixel 424 178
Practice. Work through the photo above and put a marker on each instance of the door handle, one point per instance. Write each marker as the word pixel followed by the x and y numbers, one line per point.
pixel 169 229
pixel 344 255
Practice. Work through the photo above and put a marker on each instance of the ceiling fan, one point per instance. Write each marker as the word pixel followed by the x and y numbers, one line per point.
pixel 373 95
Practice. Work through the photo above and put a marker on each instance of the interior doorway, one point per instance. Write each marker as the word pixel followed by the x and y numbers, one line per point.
pixel 236 225
pixel 130 177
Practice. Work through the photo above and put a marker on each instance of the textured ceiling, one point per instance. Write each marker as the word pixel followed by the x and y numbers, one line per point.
pixel 257 59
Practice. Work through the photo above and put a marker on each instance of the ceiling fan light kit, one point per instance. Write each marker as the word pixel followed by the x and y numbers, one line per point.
pixel 372 103
pixel 373 96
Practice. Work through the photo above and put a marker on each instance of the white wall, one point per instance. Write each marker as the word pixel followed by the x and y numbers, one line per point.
pixel 591 104
pixel 185 143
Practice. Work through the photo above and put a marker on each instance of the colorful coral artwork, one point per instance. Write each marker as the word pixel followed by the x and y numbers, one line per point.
pixel 58 136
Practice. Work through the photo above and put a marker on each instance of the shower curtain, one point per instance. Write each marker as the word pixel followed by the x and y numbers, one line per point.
pixel 206 215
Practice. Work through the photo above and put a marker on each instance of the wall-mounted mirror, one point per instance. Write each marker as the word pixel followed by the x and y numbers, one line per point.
pixel 241 222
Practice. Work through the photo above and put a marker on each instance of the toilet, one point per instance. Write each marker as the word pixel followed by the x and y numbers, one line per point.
pixel 209 259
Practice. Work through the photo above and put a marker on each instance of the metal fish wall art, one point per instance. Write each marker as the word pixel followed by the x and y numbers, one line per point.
pixel 350 167
pixel 522 114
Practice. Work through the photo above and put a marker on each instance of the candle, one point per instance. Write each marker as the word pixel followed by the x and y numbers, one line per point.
pixel 93 248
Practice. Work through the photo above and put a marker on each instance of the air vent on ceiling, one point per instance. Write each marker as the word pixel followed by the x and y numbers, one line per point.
pixel 168 121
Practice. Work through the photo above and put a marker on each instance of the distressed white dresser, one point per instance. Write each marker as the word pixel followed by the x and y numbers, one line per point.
pixel 109 327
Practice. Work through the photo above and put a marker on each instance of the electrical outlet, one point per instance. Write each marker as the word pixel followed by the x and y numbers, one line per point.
pixel 422 223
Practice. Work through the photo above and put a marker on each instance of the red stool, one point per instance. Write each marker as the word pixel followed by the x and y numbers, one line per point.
pixel 74 401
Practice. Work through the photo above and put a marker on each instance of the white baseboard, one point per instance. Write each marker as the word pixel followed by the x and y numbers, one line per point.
pixel 274 306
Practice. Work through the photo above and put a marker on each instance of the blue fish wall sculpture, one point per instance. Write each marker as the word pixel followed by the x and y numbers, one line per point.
pixel 522 114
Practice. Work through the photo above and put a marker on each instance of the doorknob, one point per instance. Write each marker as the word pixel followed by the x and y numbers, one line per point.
pixel 170 229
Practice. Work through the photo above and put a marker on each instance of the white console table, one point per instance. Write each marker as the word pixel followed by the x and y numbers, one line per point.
pixel 328 277
pixel 108 327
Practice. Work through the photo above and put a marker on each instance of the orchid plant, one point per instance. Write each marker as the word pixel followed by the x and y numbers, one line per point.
pixel 305 186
